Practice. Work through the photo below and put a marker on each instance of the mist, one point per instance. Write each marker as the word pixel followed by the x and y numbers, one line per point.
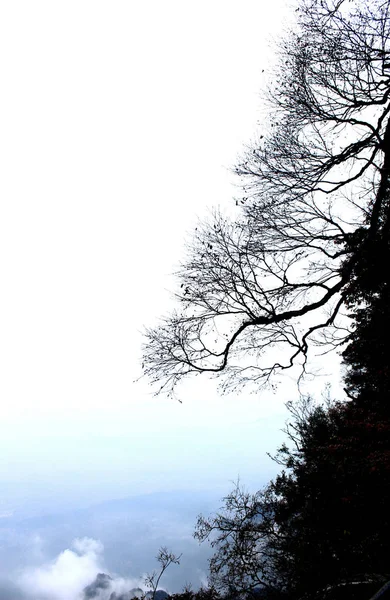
pixel 57 555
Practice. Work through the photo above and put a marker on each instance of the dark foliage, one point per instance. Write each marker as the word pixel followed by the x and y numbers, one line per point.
pixel 323 522
pixel 367 353
pixel 333 502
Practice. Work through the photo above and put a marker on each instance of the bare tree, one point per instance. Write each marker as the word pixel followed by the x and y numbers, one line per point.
pixel 165 558
pixel 256 293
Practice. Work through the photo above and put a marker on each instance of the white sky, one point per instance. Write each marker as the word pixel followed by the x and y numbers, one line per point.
pixel 118 121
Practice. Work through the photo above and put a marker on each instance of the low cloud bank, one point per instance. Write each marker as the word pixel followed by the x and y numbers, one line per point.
pixel 77 573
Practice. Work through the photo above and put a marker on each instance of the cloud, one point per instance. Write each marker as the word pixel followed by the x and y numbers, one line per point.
pixel 77 573
pixel 66 576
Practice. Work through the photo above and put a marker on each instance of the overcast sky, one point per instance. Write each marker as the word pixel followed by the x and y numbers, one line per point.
pixel 118 122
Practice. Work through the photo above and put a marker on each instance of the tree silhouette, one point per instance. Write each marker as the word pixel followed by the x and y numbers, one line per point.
pixel 323 522
pixel 257 292
pixel 165 558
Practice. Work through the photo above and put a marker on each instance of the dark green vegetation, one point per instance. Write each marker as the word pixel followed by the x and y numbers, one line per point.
pixel 306 262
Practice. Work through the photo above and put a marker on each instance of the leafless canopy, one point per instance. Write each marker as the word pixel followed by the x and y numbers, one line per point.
pixel 256 292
